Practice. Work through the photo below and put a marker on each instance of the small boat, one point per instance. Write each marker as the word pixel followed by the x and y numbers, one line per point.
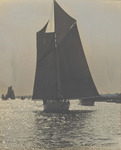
pixel 62 72
pixel 10 94
pixel 3 97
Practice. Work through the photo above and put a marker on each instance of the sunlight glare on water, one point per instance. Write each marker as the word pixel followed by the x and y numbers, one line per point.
pixel 23 124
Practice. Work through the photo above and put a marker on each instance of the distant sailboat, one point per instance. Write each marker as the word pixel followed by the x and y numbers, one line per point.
pixel 3 97
pixel 10 94
pixel 62 72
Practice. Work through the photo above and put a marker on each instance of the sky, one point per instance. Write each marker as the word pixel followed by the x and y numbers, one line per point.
pixel 99 24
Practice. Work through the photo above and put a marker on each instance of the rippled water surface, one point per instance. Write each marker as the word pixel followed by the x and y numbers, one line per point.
pixel 23 124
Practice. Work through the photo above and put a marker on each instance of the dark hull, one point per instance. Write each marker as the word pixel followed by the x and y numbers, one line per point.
pixel 56 106
pixel 87 102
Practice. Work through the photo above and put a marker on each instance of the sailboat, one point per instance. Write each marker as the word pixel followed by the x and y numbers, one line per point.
pixel 62 72
pixel 3 97
pixel 10 94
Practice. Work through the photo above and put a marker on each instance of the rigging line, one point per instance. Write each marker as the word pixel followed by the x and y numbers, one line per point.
pixel 72 25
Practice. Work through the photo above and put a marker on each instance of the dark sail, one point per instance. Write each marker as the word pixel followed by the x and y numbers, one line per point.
pixel 62 71
pixel 63 22
pixel 76 80
pixel 3 97
pixel 10 93
pixel 45 83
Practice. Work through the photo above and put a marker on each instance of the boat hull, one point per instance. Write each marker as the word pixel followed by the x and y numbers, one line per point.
pixel 56 106
pixel 87 102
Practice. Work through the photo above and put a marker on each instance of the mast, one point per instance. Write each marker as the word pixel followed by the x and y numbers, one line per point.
pixel 58 86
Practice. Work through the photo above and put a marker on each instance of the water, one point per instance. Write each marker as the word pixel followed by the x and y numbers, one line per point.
pixel 23 125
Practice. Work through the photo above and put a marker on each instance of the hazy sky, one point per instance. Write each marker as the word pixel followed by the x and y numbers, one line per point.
pixel 99 23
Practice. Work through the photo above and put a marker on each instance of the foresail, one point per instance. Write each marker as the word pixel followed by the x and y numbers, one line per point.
pixel 41 41
pixel 45 84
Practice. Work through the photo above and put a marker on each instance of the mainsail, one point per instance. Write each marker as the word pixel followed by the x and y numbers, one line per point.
pixel 62 71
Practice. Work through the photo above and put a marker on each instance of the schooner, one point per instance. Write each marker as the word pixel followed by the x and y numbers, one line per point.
pixel 62 72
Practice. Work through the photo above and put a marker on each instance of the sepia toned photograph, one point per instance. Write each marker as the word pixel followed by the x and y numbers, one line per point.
pixel 60 75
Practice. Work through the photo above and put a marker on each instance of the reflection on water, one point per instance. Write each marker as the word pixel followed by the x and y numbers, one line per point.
pixel 24 124
pixel 60 130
